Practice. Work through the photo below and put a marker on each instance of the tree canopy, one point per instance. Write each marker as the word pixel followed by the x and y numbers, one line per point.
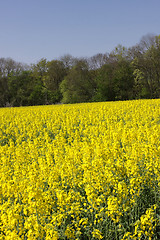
pixel 122 74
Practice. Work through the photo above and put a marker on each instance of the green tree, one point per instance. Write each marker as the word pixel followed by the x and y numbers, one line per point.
pixel 123 80
pixel 3 91
pixel 104 84
pixel 56 72
pixel 77 86
pixel 39 70
pixel 146 68
pixel 8 67
pixel 115 79
pixel 24 90
pixel 39 73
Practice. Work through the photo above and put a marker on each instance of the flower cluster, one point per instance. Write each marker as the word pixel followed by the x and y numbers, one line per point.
pixel 83 171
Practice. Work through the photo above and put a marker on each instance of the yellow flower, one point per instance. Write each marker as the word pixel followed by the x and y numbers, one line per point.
pixel 97 234
pixel 83 165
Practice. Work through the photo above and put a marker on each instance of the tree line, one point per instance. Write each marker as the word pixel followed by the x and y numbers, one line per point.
pixel 122 74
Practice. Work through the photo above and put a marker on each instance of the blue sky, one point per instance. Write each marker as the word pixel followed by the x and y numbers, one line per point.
pixel 35 29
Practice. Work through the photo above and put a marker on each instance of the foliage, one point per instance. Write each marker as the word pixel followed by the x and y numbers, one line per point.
pixel 104 82
pixel 123 74
pixel 77 85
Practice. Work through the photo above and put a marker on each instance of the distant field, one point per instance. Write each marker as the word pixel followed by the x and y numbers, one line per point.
pixel 83 171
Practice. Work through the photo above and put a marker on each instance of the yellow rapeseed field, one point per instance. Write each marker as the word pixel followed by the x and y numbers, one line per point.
pixel 83 171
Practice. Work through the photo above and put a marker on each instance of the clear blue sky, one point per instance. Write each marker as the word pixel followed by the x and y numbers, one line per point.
pixel 35 29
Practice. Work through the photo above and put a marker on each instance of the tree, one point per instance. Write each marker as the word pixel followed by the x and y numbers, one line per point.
pixel 77 86
pixel 39 72
pixel 3 91
pixel 24 90
pixel 69 61
pixel 55 74
pixel 123 80
pixel 97 61
pixel 115 79
pixel 146 68
pixel 104 84
pixel 8 67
